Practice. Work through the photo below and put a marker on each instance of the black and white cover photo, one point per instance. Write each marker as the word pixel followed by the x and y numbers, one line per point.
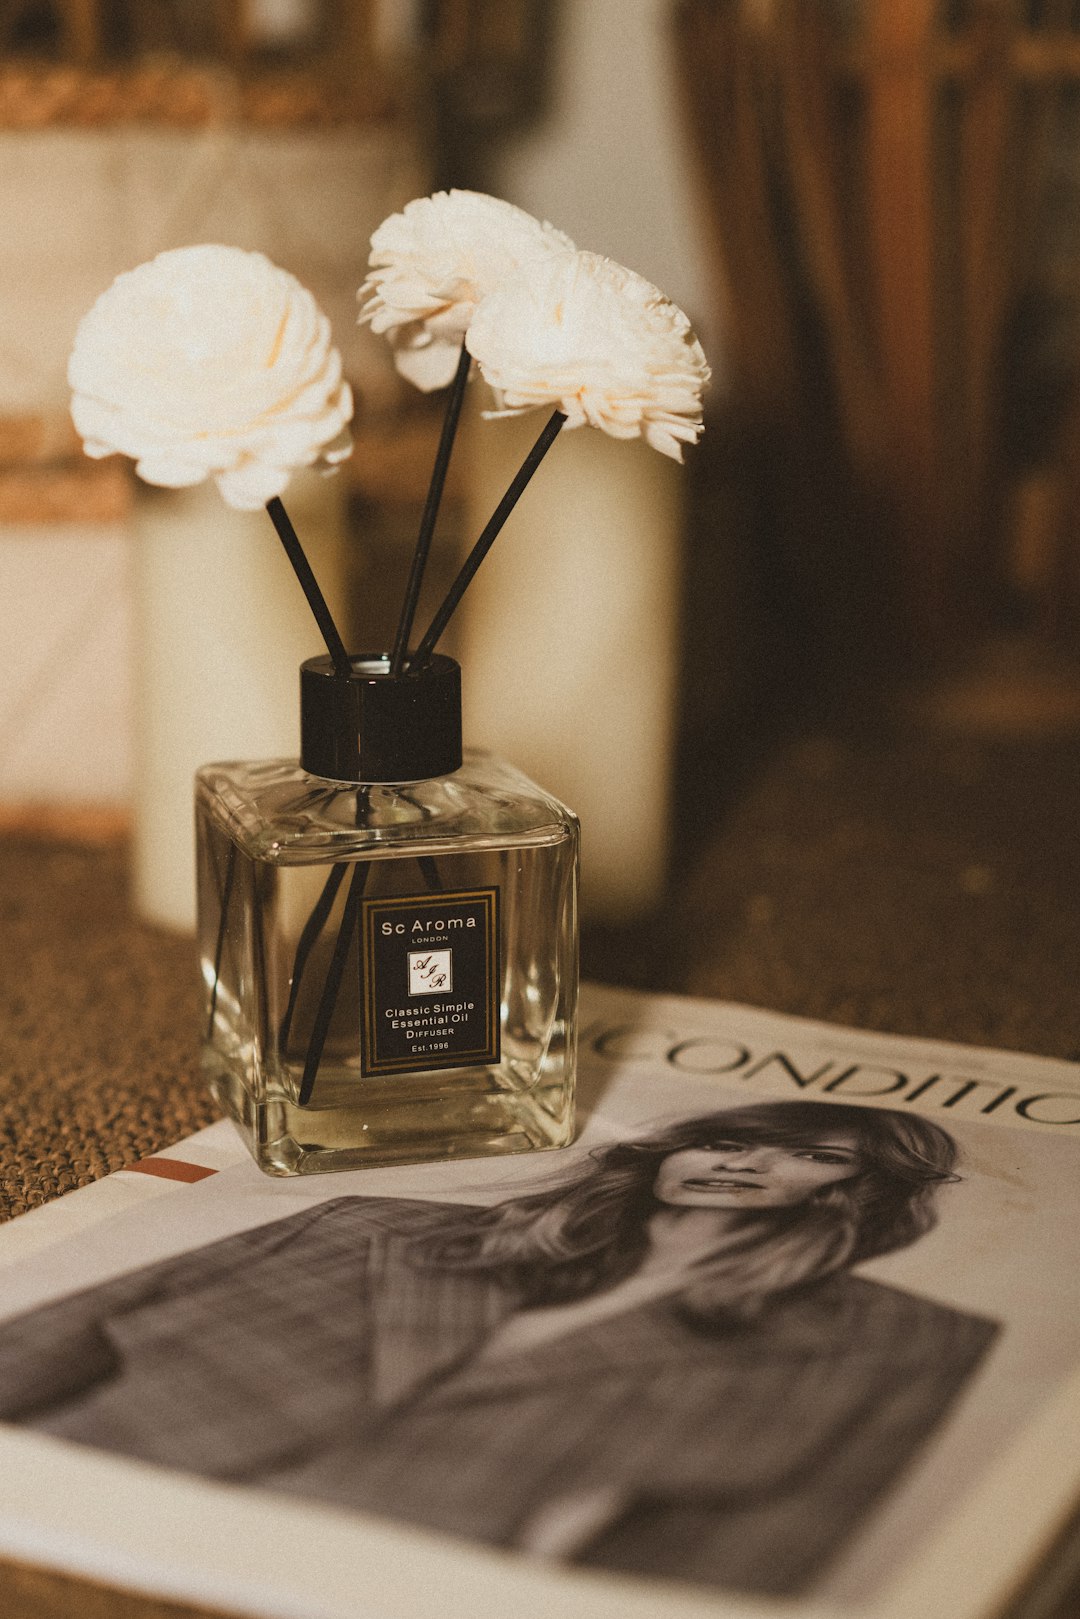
pixel 751 1334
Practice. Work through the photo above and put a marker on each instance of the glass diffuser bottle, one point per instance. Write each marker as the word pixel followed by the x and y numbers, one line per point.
pixel 387 934
pixel 387 928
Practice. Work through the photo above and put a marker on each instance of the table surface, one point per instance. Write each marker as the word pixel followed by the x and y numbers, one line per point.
pixel 911 881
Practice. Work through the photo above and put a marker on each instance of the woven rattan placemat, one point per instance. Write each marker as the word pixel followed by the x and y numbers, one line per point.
pixel 98 1048
pixel 920 884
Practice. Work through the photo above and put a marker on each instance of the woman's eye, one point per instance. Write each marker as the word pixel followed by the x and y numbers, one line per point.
pixel 827 1157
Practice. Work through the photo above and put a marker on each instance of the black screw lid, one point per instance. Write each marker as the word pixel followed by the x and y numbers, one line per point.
pixel 373 726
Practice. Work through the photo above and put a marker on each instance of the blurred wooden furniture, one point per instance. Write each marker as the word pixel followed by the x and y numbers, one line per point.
pixel 94 62
pixel 282 63
pixel 891 194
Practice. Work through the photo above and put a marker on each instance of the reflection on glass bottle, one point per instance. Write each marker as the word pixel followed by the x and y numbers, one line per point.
pixel 390 966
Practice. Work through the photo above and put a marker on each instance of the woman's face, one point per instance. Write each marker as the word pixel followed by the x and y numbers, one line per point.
pixel 755 1175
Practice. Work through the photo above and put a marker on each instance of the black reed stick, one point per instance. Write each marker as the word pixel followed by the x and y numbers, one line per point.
pixel 321 1026
pixel 324 905
pixel 225 896
pixel 306 943
pixel 487 538
pixel 310 586
pixel 431 509
pixel 429 871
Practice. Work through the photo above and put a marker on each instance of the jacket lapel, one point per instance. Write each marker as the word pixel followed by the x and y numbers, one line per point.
pixel 425 1321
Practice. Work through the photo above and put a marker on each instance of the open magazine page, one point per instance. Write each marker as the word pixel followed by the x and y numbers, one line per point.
pixel 792 1328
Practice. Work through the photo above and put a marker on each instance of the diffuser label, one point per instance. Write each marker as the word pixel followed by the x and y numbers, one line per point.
pixel 430 981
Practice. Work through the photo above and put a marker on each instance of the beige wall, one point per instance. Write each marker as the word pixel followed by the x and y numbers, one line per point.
pixel 608 163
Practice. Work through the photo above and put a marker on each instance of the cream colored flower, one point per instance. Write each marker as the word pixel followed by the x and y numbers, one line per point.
pixel 210 361
pixel 431 265
pixel 594 340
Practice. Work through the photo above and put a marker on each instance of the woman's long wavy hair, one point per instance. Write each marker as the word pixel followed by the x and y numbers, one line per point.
pixel 592 1231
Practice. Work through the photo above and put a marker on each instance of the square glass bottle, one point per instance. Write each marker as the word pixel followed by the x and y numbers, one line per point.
pixel 387 935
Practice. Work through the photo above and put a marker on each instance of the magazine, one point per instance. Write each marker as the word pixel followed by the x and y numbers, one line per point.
pixel 791 1329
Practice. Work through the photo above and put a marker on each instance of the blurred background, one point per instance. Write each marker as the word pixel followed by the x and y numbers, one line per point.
pixel 815 695
pixel 870 209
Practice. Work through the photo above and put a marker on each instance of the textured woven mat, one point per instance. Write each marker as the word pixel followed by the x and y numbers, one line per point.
pixel 919 884
pixel 915 884
pixel 98 1049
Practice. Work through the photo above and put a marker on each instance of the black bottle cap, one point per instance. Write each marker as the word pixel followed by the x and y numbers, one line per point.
pixel 373 726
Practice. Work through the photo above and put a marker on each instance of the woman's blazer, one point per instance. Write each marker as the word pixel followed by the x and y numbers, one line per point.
pixel 322 1354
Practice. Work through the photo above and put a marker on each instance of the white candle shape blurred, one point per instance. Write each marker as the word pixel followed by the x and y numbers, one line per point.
pixel 221 627
pixel 568 640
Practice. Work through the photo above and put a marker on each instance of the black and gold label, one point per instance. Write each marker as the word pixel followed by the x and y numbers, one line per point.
pixel 431 976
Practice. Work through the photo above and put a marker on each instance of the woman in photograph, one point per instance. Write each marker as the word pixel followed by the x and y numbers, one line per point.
pixel 663 1365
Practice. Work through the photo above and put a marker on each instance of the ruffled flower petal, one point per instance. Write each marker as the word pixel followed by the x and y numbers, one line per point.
pixel 169 474
pixel 432 264
pixel 585 336
pixel 250 485
pixel 207 361
pixel 339 449
pixel 428 366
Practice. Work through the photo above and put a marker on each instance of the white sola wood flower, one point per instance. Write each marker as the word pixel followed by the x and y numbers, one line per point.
pixel 210 361
pixel 432 264
pixel 582 334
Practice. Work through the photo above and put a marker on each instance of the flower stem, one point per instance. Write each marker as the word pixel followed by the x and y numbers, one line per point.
pixel 488 538
pixel 310 586
pixel 431 509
